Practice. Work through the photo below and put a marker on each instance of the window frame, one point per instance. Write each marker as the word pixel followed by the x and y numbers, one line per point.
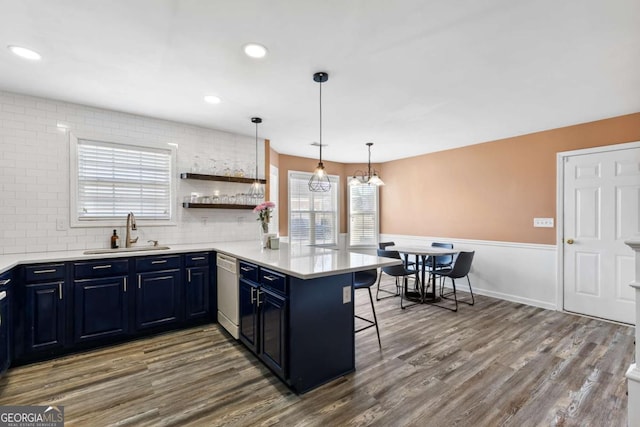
pixel 74 220
pixel 376 220
pixel 335 185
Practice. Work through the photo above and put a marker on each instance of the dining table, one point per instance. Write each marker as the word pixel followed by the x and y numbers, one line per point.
pixel 421 253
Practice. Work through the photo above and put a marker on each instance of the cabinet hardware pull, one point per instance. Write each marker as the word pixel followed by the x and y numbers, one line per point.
pixel 159 262
pixel 259 293
pixel 4 282
pixel 189 274
pixel 125 284
pixel 253 297
pixel 53 270
pixel 98 267
pixel 198 258
pixel 270 278
pixel 139 281
pixel 60 289
pixel 246 268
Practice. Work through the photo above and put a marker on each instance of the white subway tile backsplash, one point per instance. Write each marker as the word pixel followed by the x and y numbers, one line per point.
pixel 34 175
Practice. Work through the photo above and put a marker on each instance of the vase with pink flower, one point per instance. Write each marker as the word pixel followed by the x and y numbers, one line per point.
pixel 264 215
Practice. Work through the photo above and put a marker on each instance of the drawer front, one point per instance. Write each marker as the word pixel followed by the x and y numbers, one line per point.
pixel 43 272
pixel 104 268
pixel 194 260
pixel 165 262
pixel 248 271
pixel 273 280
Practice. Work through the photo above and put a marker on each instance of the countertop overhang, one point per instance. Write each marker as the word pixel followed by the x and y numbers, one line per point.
pixel 301 261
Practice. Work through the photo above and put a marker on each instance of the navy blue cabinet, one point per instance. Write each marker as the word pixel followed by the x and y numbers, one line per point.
pixel 158 292
pixel 101 305
pixel 5 320
pixel 44 308
pixel 249 314
pixel 197 286
pixel 264 316
pixel 273 331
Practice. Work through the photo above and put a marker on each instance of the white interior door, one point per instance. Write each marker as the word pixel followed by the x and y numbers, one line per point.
pixel 601 200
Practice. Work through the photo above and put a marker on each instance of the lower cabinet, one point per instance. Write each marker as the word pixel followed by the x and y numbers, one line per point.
pixel 263 320
pixel 100 300
pixel 5 320
pixel 273 329
pixel 197 287
pixel 249 314
pixel 158 299
pixel 45 317
pixel 79 304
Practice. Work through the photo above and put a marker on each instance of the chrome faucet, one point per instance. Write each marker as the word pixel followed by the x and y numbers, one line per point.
pixel 131 225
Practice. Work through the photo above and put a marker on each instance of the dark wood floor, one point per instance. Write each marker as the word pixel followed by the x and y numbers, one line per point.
pixel 496 363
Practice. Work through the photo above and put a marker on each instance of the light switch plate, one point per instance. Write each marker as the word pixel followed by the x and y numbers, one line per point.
pixel 61 224
pixel 543 222
pixel 346 294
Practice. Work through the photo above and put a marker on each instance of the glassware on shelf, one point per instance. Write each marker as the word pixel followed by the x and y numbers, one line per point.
pixel 232 199
pixel 212 166
pixel 215 199
pixel 196 167
pixel 224 199
pixel 226 170
pixel 238 172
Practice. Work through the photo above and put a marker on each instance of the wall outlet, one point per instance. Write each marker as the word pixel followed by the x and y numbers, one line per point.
pixel 61 224
pixel 543 222
pixel 204 220
pixel 346 294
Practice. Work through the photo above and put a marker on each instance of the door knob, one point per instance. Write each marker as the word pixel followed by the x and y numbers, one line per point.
pixel 570 241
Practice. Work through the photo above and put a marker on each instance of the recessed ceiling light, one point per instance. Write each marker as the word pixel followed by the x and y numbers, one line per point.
pixel 255 50
pixel 212 99
pixel 25 53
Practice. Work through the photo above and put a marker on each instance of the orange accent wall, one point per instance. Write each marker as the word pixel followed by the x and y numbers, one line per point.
pixel 489 191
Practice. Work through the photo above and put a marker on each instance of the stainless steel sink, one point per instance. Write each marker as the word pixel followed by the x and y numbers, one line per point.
pixel 133 249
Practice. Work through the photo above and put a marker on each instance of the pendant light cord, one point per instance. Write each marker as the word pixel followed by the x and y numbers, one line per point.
pixel 320 122
pixel 256 152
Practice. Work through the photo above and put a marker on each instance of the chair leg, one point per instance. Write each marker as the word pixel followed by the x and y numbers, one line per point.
pixel 473 300
pixel 375 318
pixel 378 290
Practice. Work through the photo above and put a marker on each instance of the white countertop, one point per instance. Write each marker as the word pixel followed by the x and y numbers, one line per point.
pixel 300 261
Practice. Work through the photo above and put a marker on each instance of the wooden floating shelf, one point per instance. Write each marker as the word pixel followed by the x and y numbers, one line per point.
pixel 203 177
pixel 215 206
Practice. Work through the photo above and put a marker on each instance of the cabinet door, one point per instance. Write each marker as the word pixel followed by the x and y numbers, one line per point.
pixel 5 352
pixel 157 299
pixel 273 331
pixel 197 293
pixel 100 308
pixel 44 316
pixel 249 314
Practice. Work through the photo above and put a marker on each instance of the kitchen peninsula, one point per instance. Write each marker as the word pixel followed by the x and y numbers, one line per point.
pixel 296 303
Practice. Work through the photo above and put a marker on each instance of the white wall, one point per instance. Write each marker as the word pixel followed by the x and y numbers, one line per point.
pixel 34 175
pixel 519 272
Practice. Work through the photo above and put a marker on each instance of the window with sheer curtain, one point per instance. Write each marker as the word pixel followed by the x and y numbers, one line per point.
pixel 113 179
pixel 313 217
pixel 363 215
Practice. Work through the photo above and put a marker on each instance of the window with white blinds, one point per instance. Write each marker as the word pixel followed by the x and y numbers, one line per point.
pixel 363 215
pixel 113 179
pixel 313 217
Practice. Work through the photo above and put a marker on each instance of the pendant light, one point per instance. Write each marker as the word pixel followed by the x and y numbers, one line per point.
pixel 319 181
pixel 370 178
pixel 256 190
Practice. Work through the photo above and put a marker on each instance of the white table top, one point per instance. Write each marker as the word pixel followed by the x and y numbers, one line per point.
pixel 300 261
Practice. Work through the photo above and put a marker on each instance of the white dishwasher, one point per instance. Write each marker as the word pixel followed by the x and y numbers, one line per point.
pixel 228 294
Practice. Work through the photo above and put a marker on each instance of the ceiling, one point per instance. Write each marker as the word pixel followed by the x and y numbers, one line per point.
pixel 412 76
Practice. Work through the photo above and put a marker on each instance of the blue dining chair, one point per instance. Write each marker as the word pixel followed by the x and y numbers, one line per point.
pixel 396 271
pixel 460 268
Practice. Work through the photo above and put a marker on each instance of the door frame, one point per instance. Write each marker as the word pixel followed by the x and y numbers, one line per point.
pixel 560 159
